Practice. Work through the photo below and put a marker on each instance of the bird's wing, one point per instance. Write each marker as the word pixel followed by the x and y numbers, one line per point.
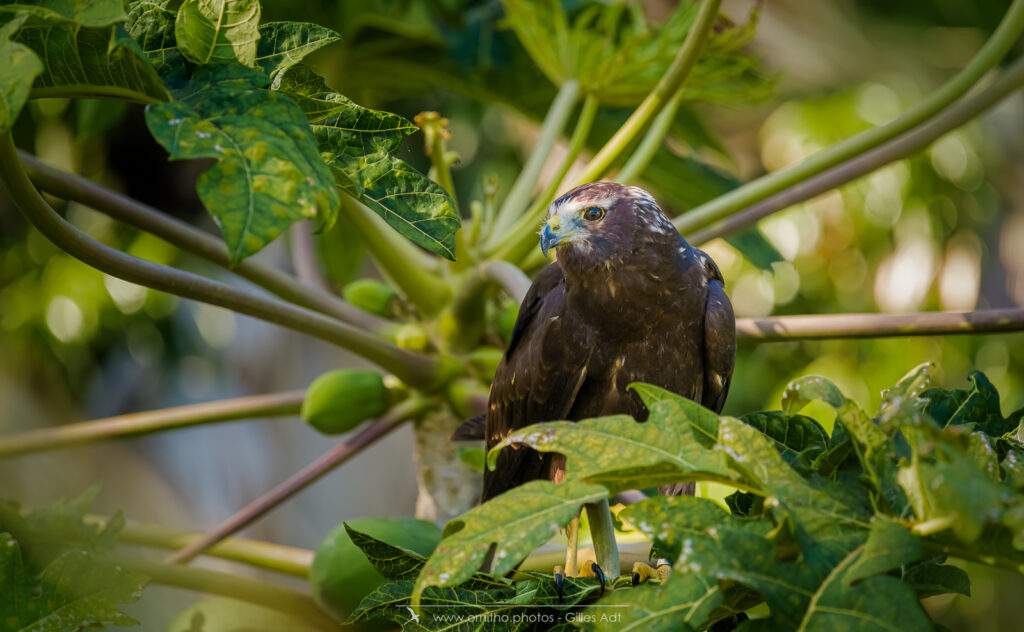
pixel 537 380
pixel 719 338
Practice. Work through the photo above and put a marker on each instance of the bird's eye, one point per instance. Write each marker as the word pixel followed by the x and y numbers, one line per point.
pixel 593 214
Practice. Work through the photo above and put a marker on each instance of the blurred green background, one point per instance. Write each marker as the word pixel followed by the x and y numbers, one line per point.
pixel 943 230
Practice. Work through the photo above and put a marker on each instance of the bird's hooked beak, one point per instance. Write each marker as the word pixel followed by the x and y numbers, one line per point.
pixel 555 232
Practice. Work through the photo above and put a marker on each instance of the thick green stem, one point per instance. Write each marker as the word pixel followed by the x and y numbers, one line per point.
pixel 302 479
pixel 667 87
pixel 896 149
pixel 412 368
pixel 651 143
pixel 554 122
pixel 69 186
pixel 293 602
pixel 995 48
pixel 406 266
pixel 829 326
pixel 466 322
pixel 288 560
pixel 524 233
pixel 135 424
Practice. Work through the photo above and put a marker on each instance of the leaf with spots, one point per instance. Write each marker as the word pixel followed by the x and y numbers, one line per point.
pixel 268 173
pixel 284 44
pixel 16 79
pixel 218 31
pixel 151 25
pixel 359 145
pixel 516 522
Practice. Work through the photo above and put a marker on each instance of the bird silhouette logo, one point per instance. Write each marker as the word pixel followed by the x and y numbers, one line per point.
pixel 412 614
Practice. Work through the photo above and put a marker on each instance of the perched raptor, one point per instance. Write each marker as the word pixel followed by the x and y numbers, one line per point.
pixel 627 300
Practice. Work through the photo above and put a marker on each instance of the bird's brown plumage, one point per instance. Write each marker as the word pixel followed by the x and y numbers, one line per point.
pixel 628 300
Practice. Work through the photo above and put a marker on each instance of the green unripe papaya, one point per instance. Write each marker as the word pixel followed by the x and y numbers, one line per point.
pixel 341 575
pixel 221 614
pixel 371 295
pixel 412 337
pixel 340 400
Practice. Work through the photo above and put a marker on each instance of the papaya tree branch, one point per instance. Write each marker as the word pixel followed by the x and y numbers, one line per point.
pixel 468 307
pixel 551 130
pixel 288 560
pixel 400 261
pixel 828 326
pixel 524 232
pixel 662 93
pixel 634 167
pixel 302 479
pixel 135 424
pixel 293 602
pixel 413 368
pixel 997 46
pixel 69 186
pixel 896 149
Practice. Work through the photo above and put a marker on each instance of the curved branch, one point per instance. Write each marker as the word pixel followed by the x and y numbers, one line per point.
pixel 830 326
pixel 70 186
pixel 509 277
pixel 413 368
pixel 150 421
pixel 669 84
pixel 896 149
pixel 303 478
pixel 995 48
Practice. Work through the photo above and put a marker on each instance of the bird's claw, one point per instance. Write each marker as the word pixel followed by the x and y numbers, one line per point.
pixel 594 571
pixel 559 580
pixel 643 572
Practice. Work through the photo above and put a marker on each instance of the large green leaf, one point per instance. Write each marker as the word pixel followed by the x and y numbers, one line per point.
pixel 976 407
pixel 16 79
pixel 268 173
pixel 151 25
pixel 393 562
pixel 517 522
pixel 685 602
pixel 358 144
pixel 798 439
pixel 218 31
pixel 284 44
pixel 889 546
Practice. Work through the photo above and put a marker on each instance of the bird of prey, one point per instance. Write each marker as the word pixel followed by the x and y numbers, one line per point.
pixel 627 300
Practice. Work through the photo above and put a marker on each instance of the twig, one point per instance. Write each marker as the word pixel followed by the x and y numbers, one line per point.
pixel 508 276
pixel 669 84
pixel 413 368
pixel 896 149
pixel 829 326
pixel 69 186
pixel 302 479
pixel 997 46
pixel 135 424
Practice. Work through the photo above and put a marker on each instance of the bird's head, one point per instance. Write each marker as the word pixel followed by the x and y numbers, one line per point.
pixel 601 221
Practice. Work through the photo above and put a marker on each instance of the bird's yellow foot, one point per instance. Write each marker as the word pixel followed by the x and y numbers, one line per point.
pixel 593 571
pixel 643 572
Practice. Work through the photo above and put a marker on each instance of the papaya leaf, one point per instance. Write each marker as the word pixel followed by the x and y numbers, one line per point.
pixel 151 25
pixel 668 520
pixel 889 546
pixel 393 601
pixel 934 578
pixel 804 390
pixel 358 144
pixel 284 44
pixel 88 14
pixel 977 407
pixel 756 248
pixel 684 602
pixel 91 60
pixel 798 439
pixel 874 603
pixel 539 589
pixel 73 592
pixel 218 31
pixel 268 173
pixel 22 67
pixel 517 522
pixel 393 562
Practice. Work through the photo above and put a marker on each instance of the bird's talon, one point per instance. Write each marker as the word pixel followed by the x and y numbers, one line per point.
pixel 599 574
pixel 559 580
pixel 636 578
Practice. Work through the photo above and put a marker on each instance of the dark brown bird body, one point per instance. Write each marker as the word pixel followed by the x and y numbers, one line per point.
pixel 628 300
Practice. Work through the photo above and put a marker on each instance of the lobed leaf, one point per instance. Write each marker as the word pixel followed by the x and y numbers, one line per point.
pixel 284 44
pixel 23 66
pixel 95 13
pixel 268 173
pixel 151 25
pixel 684 602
